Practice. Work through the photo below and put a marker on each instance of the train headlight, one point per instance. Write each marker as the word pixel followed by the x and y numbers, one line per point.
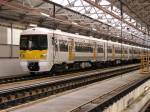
pixel 43 55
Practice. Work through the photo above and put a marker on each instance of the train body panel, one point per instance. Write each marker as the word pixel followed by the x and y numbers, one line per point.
pixel 41 49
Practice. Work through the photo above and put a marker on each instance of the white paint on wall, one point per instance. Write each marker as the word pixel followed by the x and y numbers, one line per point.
pixel 15 35
pixel 8 35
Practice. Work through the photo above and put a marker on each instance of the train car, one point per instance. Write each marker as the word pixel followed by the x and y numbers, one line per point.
pixel 44 50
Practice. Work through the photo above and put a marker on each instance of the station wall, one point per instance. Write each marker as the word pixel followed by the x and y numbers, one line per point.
pixel 9 51
pixel 10 67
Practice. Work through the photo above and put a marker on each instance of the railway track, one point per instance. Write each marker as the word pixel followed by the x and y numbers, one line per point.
pixel 104 101
pixel 146 107
pixel 23 94
pixel 26 77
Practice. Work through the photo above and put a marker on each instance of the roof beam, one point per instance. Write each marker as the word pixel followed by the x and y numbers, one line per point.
pixel 95 4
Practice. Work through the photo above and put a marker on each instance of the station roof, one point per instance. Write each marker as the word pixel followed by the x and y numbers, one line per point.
pixel 75 16
pixel 137 9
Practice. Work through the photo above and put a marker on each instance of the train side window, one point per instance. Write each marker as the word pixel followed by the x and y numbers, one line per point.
pixel 77 47
pixel 109 50
pixel 131 51
pixel 90 48
pixel 100 49
pixel 83 47
pixel 118 50
pixel 55 43
pixel 63 45
pixel 125 51
pixel 56 46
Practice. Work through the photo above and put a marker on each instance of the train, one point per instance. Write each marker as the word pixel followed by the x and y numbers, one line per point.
pixel 46 50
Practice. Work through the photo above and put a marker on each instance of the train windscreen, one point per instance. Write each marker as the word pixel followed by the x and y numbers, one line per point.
pixel 33 42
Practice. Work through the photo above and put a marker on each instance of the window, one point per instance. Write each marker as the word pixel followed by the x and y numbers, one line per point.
pixel 118 50
pixel 109 49
pixel 100 49
pixel 83 47
pixel 55 43
pixel 33 42
pixel 131 51
pixel 125 51
pixel 63 45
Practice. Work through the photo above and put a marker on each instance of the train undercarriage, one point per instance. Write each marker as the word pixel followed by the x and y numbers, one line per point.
pixel 79 65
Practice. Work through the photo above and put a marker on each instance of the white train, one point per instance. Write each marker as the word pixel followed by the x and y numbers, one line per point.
pixel 43 50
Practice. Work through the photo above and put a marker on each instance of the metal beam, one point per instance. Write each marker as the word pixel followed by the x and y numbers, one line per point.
pixel 95 4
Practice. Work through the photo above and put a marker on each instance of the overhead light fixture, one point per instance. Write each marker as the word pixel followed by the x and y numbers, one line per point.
pixel 94 29
pixel 74 23
pixel 146 88
pixel 44 14
pixel 58 30
pixel 33 25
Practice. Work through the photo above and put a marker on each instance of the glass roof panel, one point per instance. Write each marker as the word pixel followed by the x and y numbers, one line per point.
pixel 85 8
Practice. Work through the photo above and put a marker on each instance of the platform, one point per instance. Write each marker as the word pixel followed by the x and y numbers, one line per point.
pixel 70 101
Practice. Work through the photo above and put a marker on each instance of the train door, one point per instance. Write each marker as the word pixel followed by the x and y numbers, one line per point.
pixel 71 50
pixel 94 51
pixel 55 49
pixel 109 51
pixel 105 51
pixel 128 53
pixel 123 52
pixel 113 52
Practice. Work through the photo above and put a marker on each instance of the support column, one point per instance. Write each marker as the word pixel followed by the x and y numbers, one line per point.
pixel 11 44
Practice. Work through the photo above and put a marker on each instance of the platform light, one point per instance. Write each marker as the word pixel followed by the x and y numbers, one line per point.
pixel 118 35
pixel 44 14
pixel 58 30
pixel 74 23
pixel 33 25
pixel 146 88
pixel 94 29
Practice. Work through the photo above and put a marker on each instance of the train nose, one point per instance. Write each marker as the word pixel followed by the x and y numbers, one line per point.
pixel 33 66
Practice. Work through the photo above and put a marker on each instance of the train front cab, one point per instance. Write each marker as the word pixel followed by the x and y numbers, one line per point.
pixel 34 53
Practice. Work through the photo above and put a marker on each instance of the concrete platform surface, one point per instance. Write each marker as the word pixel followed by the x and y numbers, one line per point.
pixel 68 102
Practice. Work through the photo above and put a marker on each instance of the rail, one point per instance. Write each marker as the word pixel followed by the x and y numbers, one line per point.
pixel 23 94
pixel 106 100
pixel 146 107
pixel 25 77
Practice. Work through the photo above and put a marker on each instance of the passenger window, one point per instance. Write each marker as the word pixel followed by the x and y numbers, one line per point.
pixel 116 50
pixel 83 47
pixel 56 46
pixel 63 45
pixel 109 49
pixel 125 51
pixel 100 49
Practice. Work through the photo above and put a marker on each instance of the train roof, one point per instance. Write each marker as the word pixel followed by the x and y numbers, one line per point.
pixel 40 30
pixel 37 30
